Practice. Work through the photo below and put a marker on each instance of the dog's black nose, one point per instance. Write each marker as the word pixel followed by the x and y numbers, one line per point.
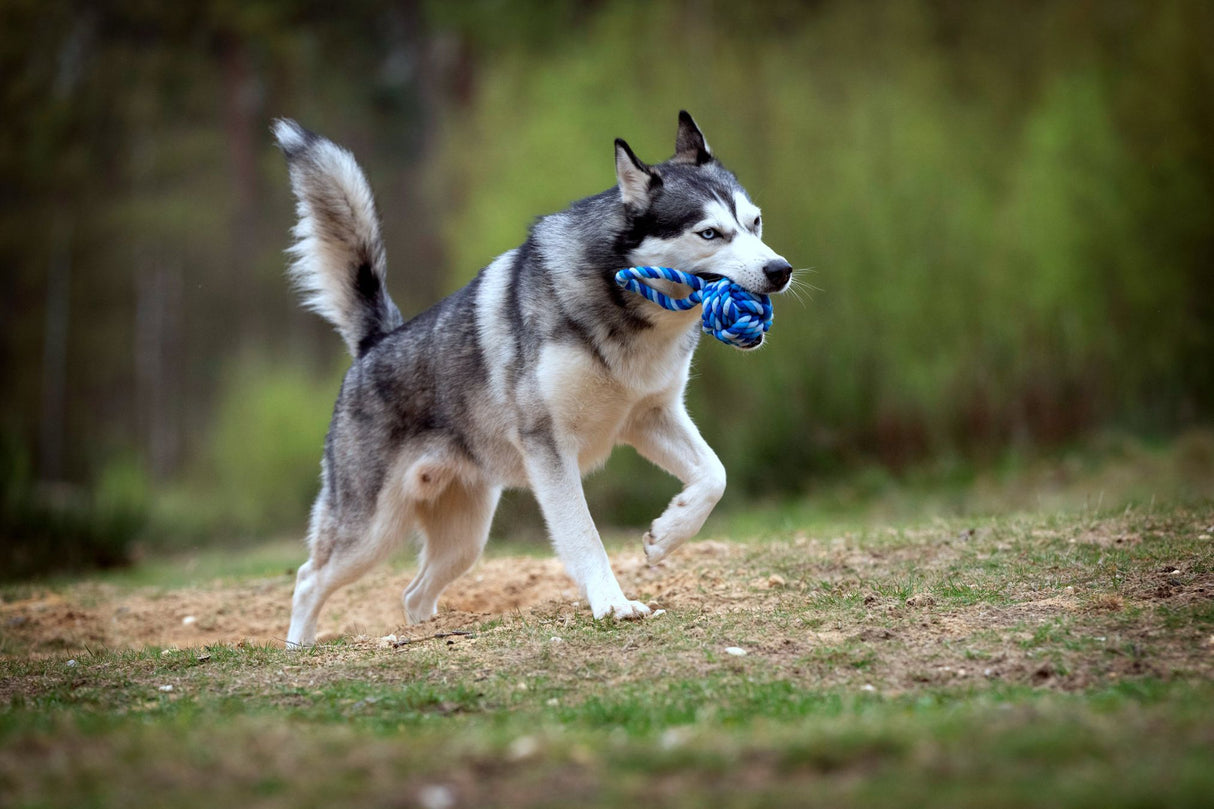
pixel 778 271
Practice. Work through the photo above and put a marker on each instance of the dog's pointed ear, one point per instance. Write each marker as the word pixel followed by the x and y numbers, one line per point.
pixel 690 145
pixel 636 180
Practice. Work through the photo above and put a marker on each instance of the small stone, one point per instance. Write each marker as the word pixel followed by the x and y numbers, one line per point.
pixel 674 738
pixel 436 796
pixel 523 748
pixel 71 664
pixel 189 620
pixel 736 651
pixel 775 580
pixel 166 688
pixel 868 687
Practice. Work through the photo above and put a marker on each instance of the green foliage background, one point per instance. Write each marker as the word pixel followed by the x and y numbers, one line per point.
pixel 1005 213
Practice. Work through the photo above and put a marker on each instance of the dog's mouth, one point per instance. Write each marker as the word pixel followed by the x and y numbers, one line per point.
pixel 762 340
pixel 711 277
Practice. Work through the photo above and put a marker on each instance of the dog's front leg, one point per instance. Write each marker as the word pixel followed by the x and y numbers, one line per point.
pixel 557 485
pixel 666 436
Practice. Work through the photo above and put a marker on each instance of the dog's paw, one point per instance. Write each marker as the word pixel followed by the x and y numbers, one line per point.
pixel 654 551
pixel 677 524
pixel 623 611
pixel 658 544
pixel 418 611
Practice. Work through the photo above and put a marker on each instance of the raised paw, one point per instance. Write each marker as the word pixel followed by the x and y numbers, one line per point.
pixel 677 524
pixel 658 548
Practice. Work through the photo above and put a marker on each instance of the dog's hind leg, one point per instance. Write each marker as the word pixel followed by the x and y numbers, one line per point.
pixel 305 606
pixel 337 558
pixel 455 526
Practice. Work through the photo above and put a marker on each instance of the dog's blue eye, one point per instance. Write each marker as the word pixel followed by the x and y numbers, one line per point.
pixel 708 234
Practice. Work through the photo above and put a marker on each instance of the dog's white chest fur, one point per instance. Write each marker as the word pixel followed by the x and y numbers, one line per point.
pixel 593 405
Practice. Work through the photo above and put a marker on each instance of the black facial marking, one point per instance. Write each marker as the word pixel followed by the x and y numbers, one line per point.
pixel 730 202
pixel 679 204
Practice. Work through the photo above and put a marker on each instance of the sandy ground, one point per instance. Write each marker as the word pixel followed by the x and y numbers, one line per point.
pixel 840 611
pixel 92 615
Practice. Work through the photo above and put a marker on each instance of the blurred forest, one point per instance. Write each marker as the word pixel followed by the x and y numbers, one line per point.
pixel 1006 212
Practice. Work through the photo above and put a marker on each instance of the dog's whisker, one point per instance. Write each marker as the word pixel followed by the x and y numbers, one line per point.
pixel 800 289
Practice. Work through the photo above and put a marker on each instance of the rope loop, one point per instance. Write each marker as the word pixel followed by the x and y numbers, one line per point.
pixel 731 314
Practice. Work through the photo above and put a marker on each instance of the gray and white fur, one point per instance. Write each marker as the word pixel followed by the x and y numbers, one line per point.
pixel 526 377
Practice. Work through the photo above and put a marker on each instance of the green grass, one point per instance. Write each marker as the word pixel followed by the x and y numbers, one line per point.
pixel 1043 658
pixel 724 741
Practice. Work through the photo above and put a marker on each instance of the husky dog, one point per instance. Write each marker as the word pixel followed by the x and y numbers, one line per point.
pixel 528 376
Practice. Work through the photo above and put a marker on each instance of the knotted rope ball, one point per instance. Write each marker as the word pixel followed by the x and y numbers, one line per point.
pixel 731 314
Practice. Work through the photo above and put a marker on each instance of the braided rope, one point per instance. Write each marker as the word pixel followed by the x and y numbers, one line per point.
pixel 731 314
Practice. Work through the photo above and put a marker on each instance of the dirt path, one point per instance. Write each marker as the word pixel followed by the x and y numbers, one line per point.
pixel 901 610
pixel 91 615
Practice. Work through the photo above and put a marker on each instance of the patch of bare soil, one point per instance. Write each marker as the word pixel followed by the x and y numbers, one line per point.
pixel 96 616
pixel 104 616
pixel 828 611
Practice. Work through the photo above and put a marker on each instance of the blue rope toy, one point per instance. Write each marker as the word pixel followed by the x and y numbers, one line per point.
pixel 731 314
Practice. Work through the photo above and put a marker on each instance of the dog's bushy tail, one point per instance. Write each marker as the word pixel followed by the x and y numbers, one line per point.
pixel 339 264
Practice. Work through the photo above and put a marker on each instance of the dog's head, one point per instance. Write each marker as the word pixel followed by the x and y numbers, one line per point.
pixel 691 213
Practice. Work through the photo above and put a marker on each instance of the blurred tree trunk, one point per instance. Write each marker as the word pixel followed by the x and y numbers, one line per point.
pixel 426 263
pixel 158 297
pixel 54 350
pixel 242 118
pixel 72 57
